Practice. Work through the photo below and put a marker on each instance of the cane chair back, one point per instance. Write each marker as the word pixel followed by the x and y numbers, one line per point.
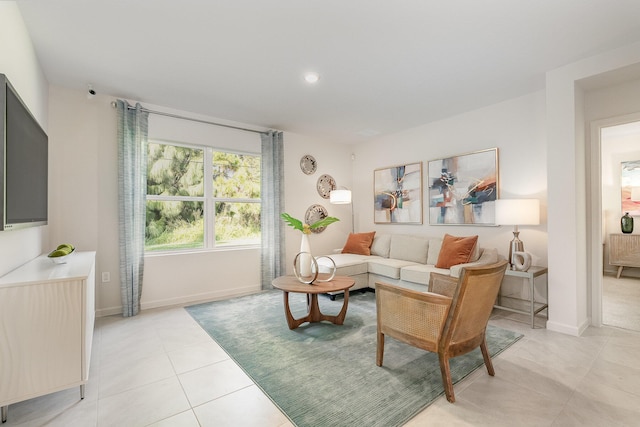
pixel 450 319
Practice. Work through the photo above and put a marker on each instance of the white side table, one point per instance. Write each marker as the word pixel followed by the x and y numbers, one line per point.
pixel 534 306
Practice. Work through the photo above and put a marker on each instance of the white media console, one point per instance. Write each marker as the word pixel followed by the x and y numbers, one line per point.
pixel 47 313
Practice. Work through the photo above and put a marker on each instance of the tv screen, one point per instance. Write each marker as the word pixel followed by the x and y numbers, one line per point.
pixel 25 163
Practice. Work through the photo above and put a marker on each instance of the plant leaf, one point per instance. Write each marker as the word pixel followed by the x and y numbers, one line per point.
pixel 295 223
pixel 324 222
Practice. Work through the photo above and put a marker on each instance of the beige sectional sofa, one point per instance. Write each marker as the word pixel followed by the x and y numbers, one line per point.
pixel 404 260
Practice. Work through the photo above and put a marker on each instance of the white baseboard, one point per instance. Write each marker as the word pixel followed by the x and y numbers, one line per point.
pixel 575 331
pixel 194 299
pixel 185 300
pixel 110 311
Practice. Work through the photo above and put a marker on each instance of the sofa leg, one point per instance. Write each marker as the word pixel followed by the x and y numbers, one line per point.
pixel 332 297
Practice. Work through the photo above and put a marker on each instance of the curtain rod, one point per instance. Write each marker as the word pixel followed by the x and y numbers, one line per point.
pixel 175 116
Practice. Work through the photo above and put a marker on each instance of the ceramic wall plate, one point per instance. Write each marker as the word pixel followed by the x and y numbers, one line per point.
pixel 308 164
pixel 325 185
pixel 314 214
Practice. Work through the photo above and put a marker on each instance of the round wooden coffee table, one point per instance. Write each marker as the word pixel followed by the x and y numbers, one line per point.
pixel 291 284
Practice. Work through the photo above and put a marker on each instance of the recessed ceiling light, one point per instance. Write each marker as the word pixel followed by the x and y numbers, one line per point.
pixel 312 77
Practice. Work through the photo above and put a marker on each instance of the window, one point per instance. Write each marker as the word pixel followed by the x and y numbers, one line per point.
pixel 187 211
pixel 236 194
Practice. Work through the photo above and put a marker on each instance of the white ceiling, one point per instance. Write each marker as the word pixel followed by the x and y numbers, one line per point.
pixel 384 65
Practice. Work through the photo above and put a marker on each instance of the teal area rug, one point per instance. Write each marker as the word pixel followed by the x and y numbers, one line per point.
pixel 326 375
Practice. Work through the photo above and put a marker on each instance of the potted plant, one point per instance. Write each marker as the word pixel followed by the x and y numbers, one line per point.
pixel 305 247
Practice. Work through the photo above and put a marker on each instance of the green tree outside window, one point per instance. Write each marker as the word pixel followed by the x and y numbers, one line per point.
pixel 177 195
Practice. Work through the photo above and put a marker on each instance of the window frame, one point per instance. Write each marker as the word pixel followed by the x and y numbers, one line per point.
pixel 209 201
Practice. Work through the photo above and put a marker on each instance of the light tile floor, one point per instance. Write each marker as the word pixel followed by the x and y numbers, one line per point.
pixel 161 369
pixel 621 302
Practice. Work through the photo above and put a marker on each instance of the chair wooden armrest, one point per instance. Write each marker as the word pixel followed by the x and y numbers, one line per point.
pixel 416 318
pixel 442 284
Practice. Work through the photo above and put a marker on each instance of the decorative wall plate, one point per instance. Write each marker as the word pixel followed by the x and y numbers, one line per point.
pixel 308 164
pixel 325 185
pixel 314 214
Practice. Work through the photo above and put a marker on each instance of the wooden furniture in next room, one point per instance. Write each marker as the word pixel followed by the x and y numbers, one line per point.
pixel 291 284
pixel 450 325
pixel 624 251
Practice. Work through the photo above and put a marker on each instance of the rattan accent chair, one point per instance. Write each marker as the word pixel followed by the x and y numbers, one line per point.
pixel 450 319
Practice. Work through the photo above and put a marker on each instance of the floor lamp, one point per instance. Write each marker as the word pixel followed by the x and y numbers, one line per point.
pixel 342 197
pixel 517 212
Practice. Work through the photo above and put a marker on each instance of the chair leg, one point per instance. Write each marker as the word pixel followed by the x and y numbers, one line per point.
pixel 380 349
pixel 487 357
pixel 446 377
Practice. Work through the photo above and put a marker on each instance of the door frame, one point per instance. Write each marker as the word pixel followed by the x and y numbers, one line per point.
pixel 595 239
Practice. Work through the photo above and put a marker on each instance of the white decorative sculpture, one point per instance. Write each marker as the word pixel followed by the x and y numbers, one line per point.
pixel 521 261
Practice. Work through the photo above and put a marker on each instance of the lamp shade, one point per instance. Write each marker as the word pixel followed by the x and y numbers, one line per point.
pixel 340 197
pixel 517 212
pixel 635 194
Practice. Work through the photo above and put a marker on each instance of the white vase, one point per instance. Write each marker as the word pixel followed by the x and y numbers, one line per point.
pixel 305 258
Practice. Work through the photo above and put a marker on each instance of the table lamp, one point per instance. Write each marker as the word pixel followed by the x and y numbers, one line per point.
pixel 517 212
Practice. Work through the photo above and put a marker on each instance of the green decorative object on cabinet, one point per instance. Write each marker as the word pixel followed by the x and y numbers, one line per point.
pixel 626 223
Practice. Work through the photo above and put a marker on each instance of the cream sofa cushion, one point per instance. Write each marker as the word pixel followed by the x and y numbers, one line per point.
pixel 346 264
pixel 434 251
pixel 380 245
pixel 388 267
pixel 476 253
pixel 420 273
pixel 409 248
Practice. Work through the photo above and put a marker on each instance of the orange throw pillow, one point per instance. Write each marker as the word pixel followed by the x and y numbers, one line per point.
pixel 456 250
pixel 359 243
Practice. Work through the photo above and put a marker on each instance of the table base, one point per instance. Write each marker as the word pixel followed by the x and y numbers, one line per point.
pixel 313 311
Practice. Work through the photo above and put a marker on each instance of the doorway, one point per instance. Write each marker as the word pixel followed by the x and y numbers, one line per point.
pixel 619 297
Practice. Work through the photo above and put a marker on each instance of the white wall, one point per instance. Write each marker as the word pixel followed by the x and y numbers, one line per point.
pixel 569 271
pixel 171 279
pixel 612 100
pixel 84 177
pixel 199 275
pixel 19 63
pixel 516 127
pixel 300 192
pixel 86 213
pixel 84 201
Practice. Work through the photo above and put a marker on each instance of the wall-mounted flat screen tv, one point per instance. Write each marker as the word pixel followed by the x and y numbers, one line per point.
pixel 24 163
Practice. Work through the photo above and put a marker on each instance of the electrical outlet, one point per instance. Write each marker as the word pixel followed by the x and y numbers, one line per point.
pixel 106 277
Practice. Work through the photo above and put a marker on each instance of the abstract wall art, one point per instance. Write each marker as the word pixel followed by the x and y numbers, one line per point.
pixel 398 194
pixel 630 178
pixel 463 189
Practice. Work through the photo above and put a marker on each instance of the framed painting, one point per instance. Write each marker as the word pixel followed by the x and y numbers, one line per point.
pixel 630 185
pixel 463 189
pixel 398 194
